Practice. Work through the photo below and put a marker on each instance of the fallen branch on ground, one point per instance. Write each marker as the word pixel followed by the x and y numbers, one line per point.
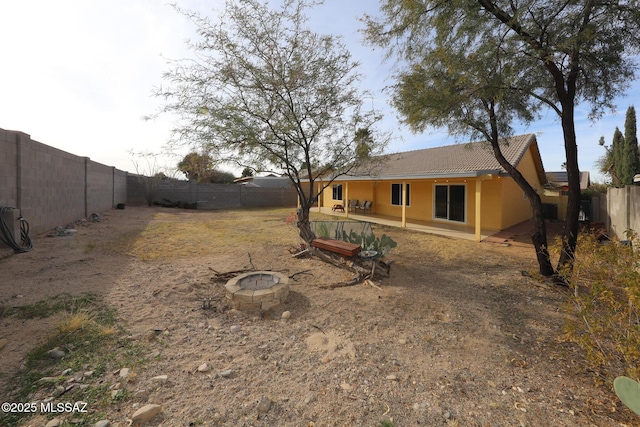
pixel 373 285
pixel 293 276
pixel 354 281
pixel 231 274
pixel 363 269
pixel 228 274
pixel 301 253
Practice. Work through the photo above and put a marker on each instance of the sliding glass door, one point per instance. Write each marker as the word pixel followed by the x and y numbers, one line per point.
pixel 449 203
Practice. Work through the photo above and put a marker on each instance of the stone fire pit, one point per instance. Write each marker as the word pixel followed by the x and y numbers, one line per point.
pixel 257 290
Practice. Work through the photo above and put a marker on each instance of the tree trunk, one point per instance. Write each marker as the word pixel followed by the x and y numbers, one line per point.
pixel 539 236
pixel 304 225
pixel 570 235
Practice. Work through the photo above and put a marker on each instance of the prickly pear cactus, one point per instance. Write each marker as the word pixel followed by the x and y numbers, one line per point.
pixel 628 391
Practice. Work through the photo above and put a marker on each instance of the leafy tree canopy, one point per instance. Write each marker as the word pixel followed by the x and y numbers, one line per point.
pixel 196 166
pixel 630 161
pixel 509 58
pixel 264 90
pixel 201 168
pixel 621 160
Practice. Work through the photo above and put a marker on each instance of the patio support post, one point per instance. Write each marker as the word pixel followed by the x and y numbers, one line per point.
pixel 320 194
pixel 345 202
pixel 404 204
pixel 373 197
pixel 478 208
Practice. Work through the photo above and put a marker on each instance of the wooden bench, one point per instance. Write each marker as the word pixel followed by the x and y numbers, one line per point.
pixel 337 246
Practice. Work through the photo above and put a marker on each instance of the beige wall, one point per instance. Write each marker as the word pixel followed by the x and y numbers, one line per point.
pixel 623 207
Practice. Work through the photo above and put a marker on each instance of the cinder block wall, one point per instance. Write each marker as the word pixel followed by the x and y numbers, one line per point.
pixel 212 196
pixel 51 187
pixel 99 187
pixel 8 170
pixel 623 209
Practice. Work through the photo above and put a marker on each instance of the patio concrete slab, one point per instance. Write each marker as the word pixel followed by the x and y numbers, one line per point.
pixel 441 229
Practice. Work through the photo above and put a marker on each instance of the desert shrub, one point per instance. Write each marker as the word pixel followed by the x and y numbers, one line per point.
pixel 604 307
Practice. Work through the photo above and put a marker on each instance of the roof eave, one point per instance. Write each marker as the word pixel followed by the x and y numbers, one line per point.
pixel 468 174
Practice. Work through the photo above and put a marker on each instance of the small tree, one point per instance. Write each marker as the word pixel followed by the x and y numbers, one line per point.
pixel 617 149
pixel 196 167
pixel 630 160
pixel 149 178
pixel 247 172
pixel 606 163
pixel 216 176
pixel 264 90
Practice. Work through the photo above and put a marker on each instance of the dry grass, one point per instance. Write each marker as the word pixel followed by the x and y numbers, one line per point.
pixel 185 235
pixel 74 322
pixel 180 235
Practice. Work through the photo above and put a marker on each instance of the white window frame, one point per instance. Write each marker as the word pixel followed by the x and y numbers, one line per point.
pixel 337 188
pixel 466 205
pixel 408 184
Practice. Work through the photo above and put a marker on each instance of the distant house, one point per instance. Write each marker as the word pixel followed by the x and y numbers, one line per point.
pixel 560 182
pixel 556 192
pixel 270 181
pixel 456 185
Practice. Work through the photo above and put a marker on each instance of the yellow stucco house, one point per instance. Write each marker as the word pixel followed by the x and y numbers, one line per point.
pixel 460 184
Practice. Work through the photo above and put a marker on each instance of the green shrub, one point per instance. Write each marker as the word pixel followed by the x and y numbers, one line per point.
pixel 604 307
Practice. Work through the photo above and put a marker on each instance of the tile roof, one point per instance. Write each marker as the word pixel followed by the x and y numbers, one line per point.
pixel 458 159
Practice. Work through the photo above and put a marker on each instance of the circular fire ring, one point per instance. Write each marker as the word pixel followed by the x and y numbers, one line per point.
pixel 257 290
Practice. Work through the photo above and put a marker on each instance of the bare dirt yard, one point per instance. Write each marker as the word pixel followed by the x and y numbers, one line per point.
pixel 460 334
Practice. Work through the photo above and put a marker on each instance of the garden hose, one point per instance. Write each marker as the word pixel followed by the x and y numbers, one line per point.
pixel 6 236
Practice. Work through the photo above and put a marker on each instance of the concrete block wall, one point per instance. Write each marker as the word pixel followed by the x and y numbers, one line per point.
pixel 184 191
pixel 623 210
pixel 212 196
pixel 119 186
pixel 262 197
pixel 51 187
pixel 8 169
pixel 221 196
pixel 99 187
pixel 599 208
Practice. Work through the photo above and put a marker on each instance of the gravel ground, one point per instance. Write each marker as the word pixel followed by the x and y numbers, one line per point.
pixel 458 335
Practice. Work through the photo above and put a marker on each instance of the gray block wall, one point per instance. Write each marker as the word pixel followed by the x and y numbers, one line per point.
pixel 623 210
pixel 8 170
pixel 210 196
pixel 51 187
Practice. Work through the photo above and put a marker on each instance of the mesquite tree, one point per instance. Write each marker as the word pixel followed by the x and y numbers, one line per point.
pixel 574 51
pixel 470 94
pixel 265 91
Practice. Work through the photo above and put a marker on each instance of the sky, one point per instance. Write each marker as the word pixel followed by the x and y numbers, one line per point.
pixel 80 75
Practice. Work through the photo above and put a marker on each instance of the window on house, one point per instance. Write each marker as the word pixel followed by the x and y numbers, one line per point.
pixel 396 194
pixel 450 202
pixel 337 191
